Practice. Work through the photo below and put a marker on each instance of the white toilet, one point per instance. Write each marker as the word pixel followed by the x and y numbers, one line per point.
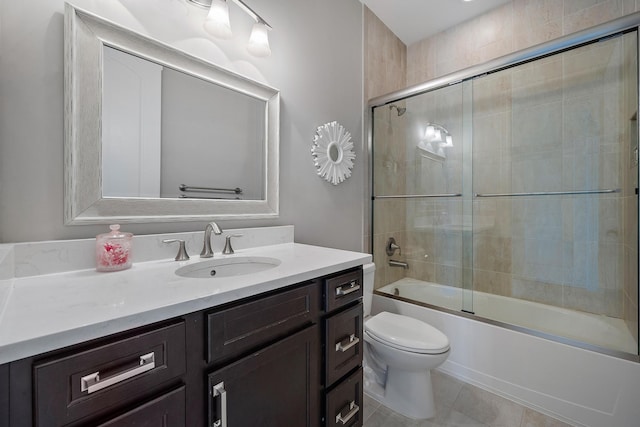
pixel 400 352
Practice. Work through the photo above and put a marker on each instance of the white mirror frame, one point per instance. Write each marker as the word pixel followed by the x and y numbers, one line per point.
pixel 85 35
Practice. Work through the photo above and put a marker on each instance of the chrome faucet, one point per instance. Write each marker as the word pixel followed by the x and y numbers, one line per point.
pixel 207 252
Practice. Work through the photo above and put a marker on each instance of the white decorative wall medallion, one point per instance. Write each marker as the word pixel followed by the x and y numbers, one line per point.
pixel 333 152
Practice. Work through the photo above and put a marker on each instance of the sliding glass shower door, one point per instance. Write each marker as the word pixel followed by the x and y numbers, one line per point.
pixel 512 195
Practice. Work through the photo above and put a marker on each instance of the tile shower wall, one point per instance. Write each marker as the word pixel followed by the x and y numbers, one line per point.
pixel 385 66
pixel 506 29
pixel 630 200
pixel 568 124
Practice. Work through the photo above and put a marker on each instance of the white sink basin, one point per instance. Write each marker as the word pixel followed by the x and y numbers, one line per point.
pixel 227 267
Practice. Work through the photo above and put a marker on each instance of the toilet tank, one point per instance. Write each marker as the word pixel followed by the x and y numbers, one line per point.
pixel 368 276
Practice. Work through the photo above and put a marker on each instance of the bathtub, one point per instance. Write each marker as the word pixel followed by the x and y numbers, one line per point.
pixel 568 382
pixel 576 326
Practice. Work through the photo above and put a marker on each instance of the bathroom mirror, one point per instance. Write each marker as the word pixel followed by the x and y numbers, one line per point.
pixel 213 135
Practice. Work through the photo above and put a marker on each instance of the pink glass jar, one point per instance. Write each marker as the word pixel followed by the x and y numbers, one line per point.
pixel 113 250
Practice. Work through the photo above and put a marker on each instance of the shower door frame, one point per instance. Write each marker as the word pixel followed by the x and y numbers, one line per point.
pixel 594 34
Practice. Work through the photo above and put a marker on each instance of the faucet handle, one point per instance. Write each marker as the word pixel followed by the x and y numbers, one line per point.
pixel 182 250
pixel 228 249
pixel 392 247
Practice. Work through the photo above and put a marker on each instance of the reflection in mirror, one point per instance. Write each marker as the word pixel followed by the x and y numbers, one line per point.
pixel 166 134
pixel 334 152
pixel 153 134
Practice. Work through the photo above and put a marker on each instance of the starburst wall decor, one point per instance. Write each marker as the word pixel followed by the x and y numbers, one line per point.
pixel 332 152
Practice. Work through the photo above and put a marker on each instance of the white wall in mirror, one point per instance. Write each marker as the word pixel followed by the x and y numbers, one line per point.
pixel 162 129
pixel 217 144
pixel 318 72
pixel 131 125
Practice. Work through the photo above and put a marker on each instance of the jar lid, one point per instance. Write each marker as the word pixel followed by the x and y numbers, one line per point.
pixel 115 233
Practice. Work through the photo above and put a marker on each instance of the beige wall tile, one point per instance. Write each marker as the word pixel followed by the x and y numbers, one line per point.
pixel 582 14
pixel 531 418
pixel 385 57
pixel 538 21
pixel 492 282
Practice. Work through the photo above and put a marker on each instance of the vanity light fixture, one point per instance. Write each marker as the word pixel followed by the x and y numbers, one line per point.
pixel 217 24
pixel 436 137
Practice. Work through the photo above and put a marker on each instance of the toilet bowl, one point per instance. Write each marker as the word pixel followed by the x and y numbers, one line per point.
pixel 400 352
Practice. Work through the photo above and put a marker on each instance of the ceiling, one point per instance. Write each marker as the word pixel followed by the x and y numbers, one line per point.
pixel 414 20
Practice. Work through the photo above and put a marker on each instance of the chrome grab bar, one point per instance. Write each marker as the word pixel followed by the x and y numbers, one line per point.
pixel 418 196
pixel 547 193
pixel 185 196
pixel 353 410
pixel 184 187
pixel 92 382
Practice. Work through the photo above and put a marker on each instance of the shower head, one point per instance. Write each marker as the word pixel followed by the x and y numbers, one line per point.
pixel 400 110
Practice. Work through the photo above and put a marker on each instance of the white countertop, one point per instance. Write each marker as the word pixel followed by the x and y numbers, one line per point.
pixel 51 311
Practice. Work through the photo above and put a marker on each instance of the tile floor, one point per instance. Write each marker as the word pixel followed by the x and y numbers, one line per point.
pixel 459 404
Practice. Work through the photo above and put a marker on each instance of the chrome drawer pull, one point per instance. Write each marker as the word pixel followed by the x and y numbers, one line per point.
pixel 92 382
pixel 218 390
pixel 353 410
pixel 348 288
pixel 346 344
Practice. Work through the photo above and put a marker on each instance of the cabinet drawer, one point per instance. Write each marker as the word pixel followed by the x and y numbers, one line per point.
pixel 342 290
pixel 240 328
pixel 92 382
pixel 344 403
pixel 344 343
pixel 165 411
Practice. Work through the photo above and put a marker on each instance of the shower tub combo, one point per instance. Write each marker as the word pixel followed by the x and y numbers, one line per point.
pixel 505 210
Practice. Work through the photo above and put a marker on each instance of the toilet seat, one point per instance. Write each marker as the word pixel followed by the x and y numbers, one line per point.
pixel 406 333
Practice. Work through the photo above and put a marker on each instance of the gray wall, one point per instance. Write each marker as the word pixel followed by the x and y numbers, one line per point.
pixel 316 63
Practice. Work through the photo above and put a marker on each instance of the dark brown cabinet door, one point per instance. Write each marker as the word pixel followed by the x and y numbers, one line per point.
pixel 276 386
pixel 4 395
pixel 344 403
pixel 165 411
pixel 344 343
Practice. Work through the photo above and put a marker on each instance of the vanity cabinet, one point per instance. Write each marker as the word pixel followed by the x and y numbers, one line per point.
pixel 275 381
pixel 343 349
pixel 90 383
pixel 289 357
pixel 275 386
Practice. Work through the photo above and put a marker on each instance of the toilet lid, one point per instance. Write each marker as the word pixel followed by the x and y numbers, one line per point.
pixel 406 333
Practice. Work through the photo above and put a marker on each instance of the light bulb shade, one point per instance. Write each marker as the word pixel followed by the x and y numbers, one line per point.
pixel 217 23
pixel 449 141
pixel 437 137
pixel 430 132
pixel 259 40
